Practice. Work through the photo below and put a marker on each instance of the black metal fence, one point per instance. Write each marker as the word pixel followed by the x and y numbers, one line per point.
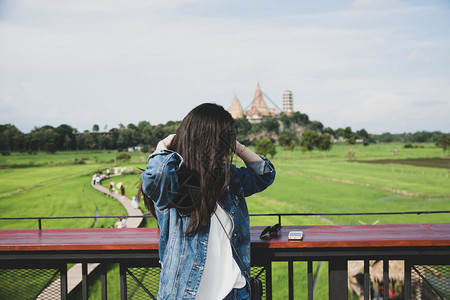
pixel 137 281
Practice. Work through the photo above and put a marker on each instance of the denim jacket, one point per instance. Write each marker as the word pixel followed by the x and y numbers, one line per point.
pixel 182 256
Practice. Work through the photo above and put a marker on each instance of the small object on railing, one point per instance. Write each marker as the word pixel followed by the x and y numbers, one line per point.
pixel 295 235
pixel 270 231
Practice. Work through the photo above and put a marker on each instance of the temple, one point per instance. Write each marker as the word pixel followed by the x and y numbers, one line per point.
pixel 258 109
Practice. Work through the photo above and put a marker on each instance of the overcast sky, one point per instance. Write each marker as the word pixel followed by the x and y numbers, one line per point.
pixel 382 65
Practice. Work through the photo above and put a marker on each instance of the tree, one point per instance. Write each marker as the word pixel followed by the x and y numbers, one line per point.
pixel 65 139
pixel 286 141
pixel 285 120
pixel 11 139
pixel 386 137
pixel 243 127
pixel 67 142
pixel 292 145
pixel 339 133
pixel 126 138
pixel 349 135
pixel 43 138
pixel 324 142
pixel 89 141
pixel 300 119
pixel 265 146
pixel 363 135
pixel 316 126
pixel 49 136
pixel 143 124
pixel 309 140
pixel 270 124
pixel 444 143
pixel 95 128
pixel 131 126
pixel 330 131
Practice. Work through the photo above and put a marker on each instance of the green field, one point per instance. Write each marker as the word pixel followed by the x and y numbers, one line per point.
pixel 380 178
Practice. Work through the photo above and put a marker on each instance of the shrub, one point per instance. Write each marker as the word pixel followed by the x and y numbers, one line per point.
pixel 351 154
pixel 123 156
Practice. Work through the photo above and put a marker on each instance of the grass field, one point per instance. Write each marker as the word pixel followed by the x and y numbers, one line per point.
pixel 380 178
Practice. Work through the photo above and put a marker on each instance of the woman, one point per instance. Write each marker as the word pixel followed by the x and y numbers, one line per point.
pixel 197 195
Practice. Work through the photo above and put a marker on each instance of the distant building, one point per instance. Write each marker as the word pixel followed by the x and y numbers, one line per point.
pixel 137 148
pixel 288 102
pixel 258 109
pixel 235 109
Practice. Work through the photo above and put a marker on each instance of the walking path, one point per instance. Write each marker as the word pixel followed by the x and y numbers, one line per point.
pixel 132 222
pixel 74 274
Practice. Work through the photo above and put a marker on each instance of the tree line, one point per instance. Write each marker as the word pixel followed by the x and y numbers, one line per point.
pixel 288 131
pixel 64 137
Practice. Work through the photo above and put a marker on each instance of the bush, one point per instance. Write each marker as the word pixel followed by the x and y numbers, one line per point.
pixel 351 154
pixel 81 161
pixel 123 156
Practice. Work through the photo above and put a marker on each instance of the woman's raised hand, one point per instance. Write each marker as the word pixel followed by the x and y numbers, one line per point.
pixel 165 143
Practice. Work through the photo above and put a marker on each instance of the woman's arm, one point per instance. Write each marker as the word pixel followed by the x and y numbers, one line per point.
pixel 258 174
pixel 160 180
pixel 246 154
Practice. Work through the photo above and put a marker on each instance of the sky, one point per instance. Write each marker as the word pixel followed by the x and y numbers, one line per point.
pixel 381 65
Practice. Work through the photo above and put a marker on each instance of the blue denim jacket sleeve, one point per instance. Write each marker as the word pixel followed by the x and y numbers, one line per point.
pixel 265 175
pixel 160 180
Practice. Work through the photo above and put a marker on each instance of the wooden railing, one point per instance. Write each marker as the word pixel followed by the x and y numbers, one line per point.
pixel 414 245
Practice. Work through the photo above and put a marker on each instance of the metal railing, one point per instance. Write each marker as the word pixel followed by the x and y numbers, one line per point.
pixel 278 215
pixel 426 272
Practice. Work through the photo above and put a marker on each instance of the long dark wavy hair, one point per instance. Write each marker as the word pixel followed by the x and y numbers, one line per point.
pixel 205 140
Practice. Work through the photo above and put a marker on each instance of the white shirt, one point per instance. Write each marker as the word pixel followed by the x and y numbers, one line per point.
pixel 221 273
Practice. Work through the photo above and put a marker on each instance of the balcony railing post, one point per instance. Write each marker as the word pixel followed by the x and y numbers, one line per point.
pixel 291 279
pixel 123 281
pixel 103 278
pixel 407 287
pixel 269 280
pixel 337 279
pixel 84 281
pixel 63 278
pixel 366 279
pixel 386 279
pixel 310 280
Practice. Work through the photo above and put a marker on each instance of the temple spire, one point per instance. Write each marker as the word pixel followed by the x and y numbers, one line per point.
pixel 235 109
pixel 258 109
